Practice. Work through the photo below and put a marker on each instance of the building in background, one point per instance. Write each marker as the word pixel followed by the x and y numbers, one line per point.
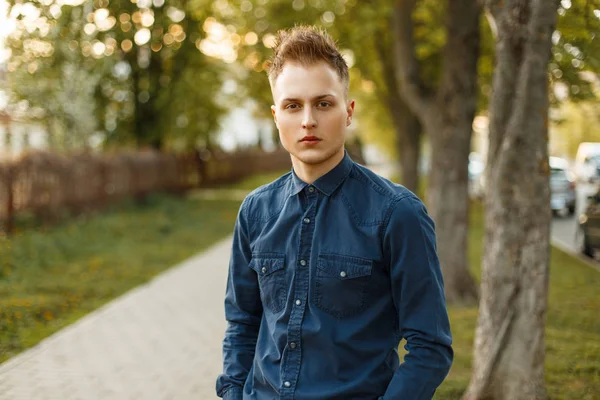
pixel 20 128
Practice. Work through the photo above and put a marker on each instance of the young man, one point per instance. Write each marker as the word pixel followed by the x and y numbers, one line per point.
pixel 331 264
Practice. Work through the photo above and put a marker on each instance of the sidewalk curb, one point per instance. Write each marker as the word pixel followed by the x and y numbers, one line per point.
pixel 562 246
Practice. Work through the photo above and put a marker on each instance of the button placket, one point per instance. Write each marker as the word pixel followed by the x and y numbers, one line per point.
pixel 292 359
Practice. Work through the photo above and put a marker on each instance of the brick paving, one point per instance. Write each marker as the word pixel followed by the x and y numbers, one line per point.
pixel 162 341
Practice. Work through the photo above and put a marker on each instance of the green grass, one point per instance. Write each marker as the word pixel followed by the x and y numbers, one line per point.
pixel 572 330
pixel 50 278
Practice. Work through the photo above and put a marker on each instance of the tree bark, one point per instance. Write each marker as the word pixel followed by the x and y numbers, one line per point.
pixel 407 126
pixel 447 115
pixel 509 340
pixel 408 139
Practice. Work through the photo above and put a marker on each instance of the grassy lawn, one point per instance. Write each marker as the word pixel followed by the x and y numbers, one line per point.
pixel 49 279
pixel 572 329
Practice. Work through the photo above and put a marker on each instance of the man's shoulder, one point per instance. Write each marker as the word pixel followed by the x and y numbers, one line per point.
pixel 372 199
pixel 379 186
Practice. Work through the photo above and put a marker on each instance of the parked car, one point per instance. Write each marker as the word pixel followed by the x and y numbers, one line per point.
pixel 563 196
pixel 587 237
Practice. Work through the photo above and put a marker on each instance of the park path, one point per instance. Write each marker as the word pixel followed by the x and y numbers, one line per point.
pixel 160 341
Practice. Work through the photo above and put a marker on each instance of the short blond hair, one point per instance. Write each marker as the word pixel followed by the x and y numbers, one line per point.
pixel 307 45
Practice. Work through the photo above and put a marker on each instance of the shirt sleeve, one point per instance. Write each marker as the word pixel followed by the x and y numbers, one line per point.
pixel 243 312
pixel 418 293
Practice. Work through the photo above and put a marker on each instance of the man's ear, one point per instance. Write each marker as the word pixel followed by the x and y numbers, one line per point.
pixel 273 108
pixel 350 111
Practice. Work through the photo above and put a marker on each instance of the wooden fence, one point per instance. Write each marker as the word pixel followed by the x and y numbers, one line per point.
pixel 48 185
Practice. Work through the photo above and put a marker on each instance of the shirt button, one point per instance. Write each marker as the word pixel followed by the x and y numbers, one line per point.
pixel 293 345
pixel 343 274
pixel 287 384
pixel 306 220
pixel 263 270
pixel 298 302
pixel 303 262
pixel 311 189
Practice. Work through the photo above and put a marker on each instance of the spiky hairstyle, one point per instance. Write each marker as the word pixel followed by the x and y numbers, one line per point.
pixel 306 45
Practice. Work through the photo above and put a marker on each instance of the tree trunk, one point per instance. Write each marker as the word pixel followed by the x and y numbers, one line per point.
pixel 447 116
pixel 408 139
pixel 144 82
pixel 406 124
pixel 409 143
pixel 448 202
pixel 509 340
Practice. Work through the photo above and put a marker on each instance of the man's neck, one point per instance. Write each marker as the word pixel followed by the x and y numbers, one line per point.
pixel 309 173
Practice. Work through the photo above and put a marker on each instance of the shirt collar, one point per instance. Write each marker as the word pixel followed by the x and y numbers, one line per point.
pixel 329 182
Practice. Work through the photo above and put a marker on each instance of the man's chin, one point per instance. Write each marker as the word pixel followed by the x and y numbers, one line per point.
pixel 314 156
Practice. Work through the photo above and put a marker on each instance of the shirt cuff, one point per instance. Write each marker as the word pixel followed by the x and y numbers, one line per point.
pixel 233 393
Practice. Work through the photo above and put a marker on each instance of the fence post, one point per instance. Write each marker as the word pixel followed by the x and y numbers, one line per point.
pixel 10 204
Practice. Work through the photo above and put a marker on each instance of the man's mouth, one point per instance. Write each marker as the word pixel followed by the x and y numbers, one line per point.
pixel 310 139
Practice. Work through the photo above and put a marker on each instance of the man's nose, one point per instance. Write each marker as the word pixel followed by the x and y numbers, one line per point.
pixel 308 119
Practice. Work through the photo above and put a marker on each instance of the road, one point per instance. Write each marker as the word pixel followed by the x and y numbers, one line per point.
pixel 564 228
pixel 563 231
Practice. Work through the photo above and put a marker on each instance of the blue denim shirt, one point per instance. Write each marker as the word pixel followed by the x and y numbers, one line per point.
pixel 324 281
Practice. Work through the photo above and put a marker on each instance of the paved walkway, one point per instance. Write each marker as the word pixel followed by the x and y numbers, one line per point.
pixel 160 341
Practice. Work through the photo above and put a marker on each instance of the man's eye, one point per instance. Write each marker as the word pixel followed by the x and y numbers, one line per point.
pixel 291 106
pixel 324 104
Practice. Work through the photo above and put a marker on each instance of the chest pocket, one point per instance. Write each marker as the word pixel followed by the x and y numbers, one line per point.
pixel 271 280
pixel 341 284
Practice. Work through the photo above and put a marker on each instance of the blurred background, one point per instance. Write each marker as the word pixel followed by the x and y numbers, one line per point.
pixel 130 130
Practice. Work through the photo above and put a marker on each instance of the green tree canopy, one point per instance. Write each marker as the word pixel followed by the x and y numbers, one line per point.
pixel 132 69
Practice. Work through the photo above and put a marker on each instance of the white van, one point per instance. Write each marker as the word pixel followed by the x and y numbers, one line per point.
pixel 563 196
pixel 587 162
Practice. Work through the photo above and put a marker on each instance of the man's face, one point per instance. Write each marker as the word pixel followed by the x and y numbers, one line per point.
pixel 311 112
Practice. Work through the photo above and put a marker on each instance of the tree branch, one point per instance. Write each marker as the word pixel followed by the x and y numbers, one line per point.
pixel 382 48
pixel 406 64
pixel 531 86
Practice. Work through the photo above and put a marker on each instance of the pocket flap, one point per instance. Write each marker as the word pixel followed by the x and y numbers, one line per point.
pixel 344 267
pixel 266 265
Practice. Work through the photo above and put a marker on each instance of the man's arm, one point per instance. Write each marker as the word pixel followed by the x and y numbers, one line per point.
pixel 418 292
pixel 243 312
